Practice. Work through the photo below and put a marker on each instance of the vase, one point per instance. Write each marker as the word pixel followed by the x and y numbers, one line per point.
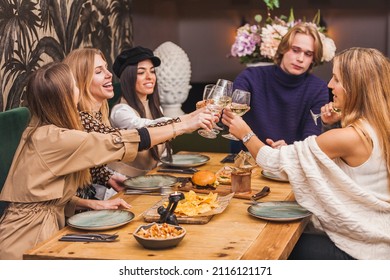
pixel 173 78
pixel 260 63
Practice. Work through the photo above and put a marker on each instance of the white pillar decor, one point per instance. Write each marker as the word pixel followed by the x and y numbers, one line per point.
pixel 173 78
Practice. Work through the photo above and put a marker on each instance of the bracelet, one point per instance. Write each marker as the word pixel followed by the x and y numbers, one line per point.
pixel 247 137
pixel 174 130
pixel 159 124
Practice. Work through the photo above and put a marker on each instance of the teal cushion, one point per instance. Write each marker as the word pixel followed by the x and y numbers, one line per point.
pixel 12 124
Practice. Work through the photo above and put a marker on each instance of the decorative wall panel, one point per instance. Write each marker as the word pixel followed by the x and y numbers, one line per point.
pixel 33 33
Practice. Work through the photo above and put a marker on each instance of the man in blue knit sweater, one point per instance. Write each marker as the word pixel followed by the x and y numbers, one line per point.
pixel 283 94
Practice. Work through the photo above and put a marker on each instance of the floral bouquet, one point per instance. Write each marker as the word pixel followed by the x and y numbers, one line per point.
pixel 255 43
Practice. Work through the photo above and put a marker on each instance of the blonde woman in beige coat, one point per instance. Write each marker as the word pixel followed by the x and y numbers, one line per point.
pixel 54 155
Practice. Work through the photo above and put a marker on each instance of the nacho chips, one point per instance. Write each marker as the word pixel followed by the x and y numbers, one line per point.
pixel 194 204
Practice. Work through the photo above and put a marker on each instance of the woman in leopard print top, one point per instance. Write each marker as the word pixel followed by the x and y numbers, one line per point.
pixel 95 89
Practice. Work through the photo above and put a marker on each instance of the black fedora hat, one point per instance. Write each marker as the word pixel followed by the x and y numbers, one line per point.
pixel 132 57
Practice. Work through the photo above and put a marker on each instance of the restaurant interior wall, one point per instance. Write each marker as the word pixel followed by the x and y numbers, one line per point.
pixel 206 29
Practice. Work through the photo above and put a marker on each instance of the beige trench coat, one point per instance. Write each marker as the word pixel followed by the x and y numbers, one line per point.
pixel 39 183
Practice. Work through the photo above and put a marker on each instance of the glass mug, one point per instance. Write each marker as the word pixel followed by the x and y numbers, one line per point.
pixel 241 181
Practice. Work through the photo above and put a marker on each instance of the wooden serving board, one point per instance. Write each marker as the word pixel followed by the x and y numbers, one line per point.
pixel 221 189
pixel 182 220
pixel 151 214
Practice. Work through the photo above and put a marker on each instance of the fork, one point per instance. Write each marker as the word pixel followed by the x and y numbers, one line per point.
pixel 92 236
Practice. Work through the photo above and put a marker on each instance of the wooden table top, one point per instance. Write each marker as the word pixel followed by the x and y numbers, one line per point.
pixel 233 234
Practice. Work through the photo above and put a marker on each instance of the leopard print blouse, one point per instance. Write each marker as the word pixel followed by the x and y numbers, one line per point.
pixel 100 175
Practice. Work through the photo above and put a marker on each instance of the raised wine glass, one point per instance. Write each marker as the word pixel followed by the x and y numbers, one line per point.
pixel 228 88
pixel 215 100
pixel 206 92
pixel 316 116
pixel 240 105
pixel 227 85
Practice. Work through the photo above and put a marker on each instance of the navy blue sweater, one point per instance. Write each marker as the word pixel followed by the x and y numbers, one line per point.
pixel 281 103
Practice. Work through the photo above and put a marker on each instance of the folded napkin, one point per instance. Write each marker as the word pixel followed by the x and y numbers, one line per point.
pixel 89 237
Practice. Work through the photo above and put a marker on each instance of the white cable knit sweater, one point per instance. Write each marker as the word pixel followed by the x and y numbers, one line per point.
pixel 355 216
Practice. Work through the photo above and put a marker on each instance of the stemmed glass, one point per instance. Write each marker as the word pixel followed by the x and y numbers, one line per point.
pixel 227 85
pixel 240 105
pixel 215 100
pixel 206 92
pixel 316 116
pixel 228 88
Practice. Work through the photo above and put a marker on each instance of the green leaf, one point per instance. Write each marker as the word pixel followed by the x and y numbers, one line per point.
pixel 317 18
pixel 271 4
pixel 291 17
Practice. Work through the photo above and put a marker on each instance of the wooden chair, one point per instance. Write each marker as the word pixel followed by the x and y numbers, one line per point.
pixel 12 124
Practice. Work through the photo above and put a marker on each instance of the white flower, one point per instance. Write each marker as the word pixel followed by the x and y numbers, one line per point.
pixel 271 36
pixel 328 47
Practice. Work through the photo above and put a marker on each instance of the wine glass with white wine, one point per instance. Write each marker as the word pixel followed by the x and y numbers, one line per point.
pixel 215 100
pixel 228 88
pixel 240 105
pixel 316 116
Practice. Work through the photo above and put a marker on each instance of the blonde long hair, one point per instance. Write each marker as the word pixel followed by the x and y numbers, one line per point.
pixel 49 96
pixel 365 76
pixel 82 63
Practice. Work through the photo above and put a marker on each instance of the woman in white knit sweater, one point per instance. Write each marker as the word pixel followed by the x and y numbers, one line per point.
pixel 341 176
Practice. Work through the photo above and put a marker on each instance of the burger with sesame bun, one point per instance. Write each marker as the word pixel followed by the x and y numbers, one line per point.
pixel 204 179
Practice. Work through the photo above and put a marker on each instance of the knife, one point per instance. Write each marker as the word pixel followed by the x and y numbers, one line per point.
pixel 264 192
pixel 177 170
pixel 158 193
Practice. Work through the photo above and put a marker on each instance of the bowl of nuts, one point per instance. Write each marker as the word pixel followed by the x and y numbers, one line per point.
pixel 159 236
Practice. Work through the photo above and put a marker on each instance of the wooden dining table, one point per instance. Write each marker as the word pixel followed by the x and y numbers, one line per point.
pixel 233 234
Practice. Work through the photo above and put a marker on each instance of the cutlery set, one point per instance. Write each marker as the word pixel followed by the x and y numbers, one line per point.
pixel 89 237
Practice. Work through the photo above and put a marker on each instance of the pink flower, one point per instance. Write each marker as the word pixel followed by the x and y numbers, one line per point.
pixel 254 43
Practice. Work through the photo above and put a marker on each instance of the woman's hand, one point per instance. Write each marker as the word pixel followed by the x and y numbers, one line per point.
pixel 188 116
pixel 201 118
pixel 116 182
pixel 116 203
pixel 329 116
pixel 276 144
pixel 237 126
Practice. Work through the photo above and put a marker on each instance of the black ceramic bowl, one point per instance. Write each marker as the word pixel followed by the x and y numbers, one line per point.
pixel 158 243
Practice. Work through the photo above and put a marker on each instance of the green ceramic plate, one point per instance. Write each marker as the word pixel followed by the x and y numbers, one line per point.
pixel 100 219
pixel 278 211
pixel 272 176
pixel 186 160
pixel 150 182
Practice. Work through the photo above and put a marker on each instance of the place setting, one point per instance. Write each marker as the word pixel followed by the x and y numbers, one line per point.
pixel 272 176
pixel 152 184
pixel 183 163
pixel 185 160
pixel 279 211
pixel 97 220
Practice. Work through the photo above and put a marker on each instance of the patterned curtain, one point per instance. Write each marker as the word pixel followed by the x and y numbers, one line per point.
pixel 33 33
